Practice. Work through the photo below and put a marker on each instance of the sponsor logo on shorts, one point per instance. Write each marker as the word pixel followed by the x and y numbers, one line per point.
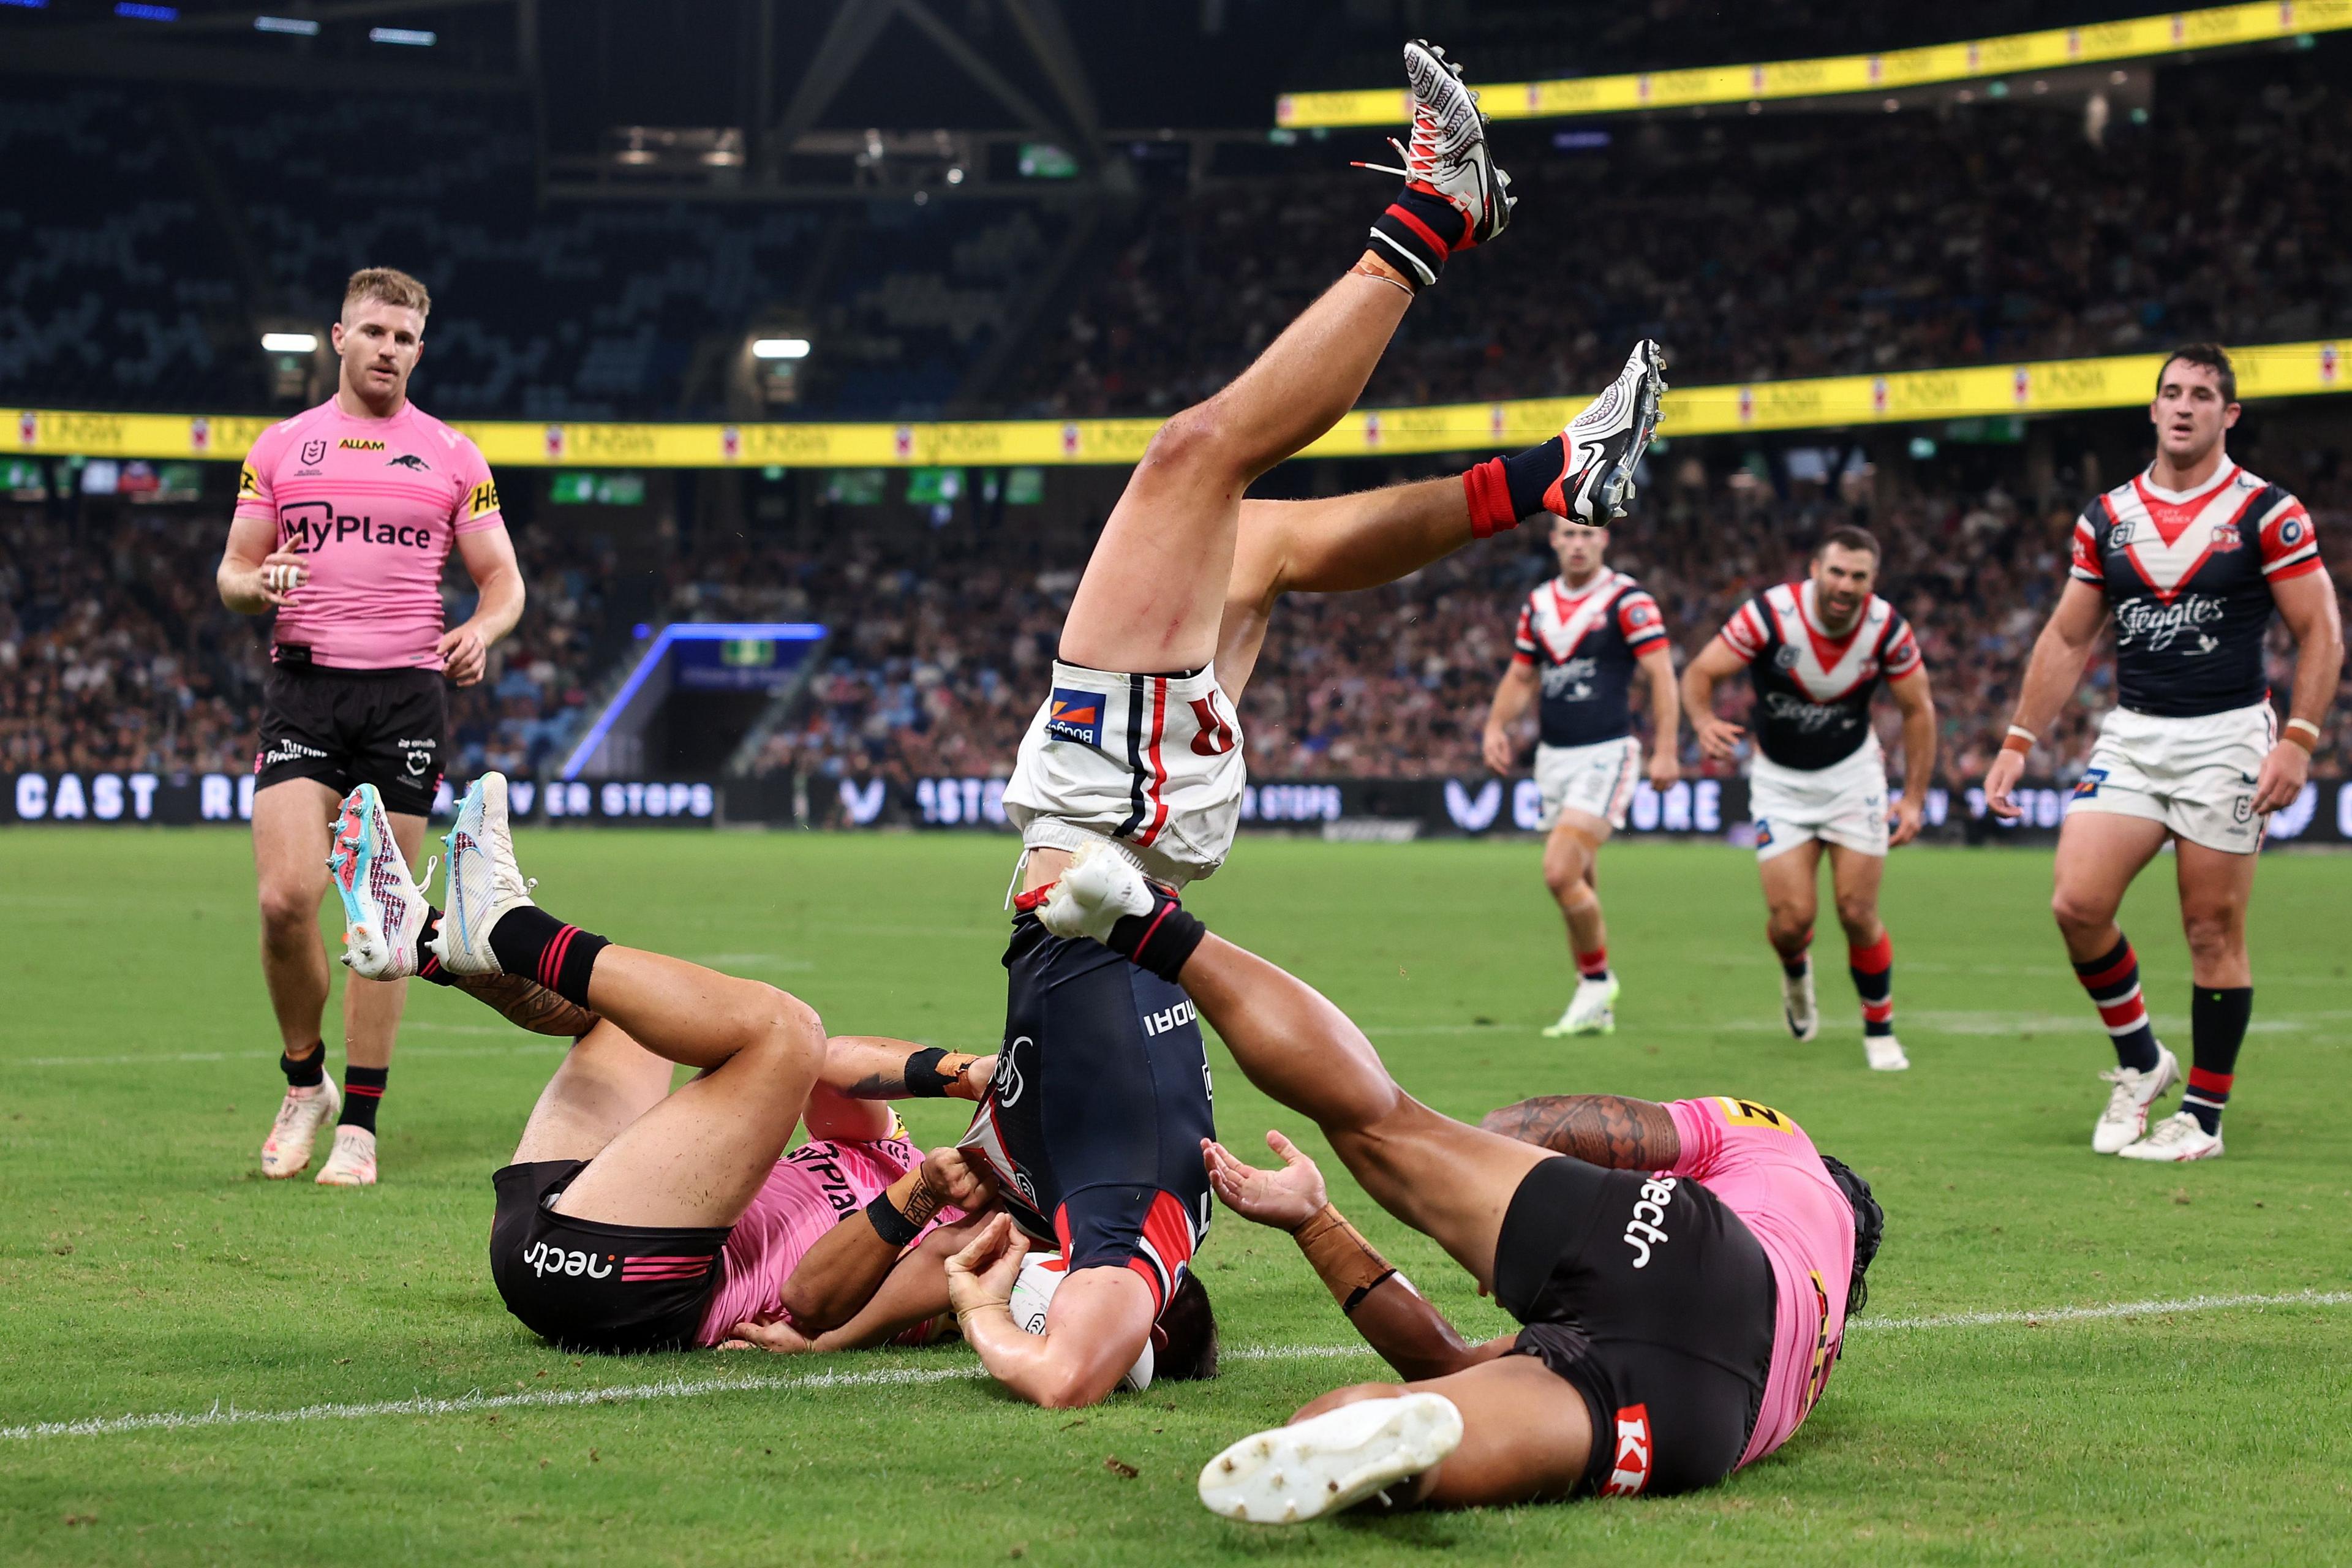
pixel 355 443
pixel 415 756
pixel 2089 784
pixel 2241 809
pixel 1657 1193
pixel 1074 716
pixel 1167 1019
pixel 1007 1085
pixel 1630 1471
pixel 286 751
pixel 1763 833
pixel 543 1260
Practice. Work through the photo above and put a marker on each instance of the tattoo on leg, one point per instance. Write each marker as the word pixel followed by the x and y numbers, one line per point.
pixel 1601 1128
pixel 529 1005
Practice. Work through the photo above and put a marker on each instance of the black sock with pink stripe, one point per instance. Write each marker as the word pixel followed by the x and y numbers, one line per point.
pixel 362 1092
pixel 533 944
pixel 1163 941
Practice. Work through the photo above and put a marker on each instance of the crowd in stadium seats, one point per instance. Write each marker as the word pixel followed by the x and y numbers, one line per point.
pixel 116 654
pixel 1765 249
pixel 937 672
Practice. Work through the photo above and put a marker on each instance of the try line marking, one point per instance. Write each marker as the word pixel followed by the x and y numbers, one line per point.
pixel 901 1377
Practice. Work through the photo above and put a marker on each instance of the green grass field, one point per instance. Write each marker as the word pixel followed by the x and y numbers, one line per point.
pixel 147 1269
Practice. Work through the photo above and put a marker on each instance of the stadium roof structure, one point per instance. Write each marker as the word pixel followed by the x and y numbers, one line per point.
pixel 1828 403
pixel 1806 80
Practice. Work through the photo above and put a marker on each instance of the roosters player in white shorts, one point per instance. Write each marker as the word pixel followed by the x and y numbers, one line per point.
pixel 1818 651
pixel 1579 639
pixel 1138 746
pixel 2190 557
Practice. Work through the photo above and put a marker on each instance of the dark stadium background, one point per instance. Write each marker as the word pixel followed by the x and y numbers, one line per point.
pixel 976 208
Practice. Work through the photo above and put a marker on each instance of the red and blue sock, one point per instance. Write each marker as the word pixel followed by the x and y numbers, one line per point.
pixel 1593 965
pixel 1421 229
pixel 2218 1016
pixel 2113 982
pixel 1873 969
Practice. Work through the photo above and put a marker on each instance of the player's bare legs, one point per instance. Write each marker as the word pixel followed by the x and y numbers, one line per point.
pixel 293 823
pixel 1791 882
pixel 1522 1442
pixel 1571 871
pixel 2099 853
pixel 1854 879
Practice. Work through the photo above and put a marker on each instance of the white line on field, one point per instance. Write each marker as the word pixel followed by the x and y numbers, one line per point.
pixel 886 1377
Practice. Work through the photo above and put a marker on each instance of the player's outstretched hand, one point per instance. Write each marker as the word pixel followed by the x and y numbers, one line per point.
pixel 769 1334
pixel 982 1275
pixel 1284 1199
pixel 1498 751
pixel 1908 814
pixel 2001 779
pixel 2283 775
pixel 464 655
pixel 1718 738
pixel 949 1174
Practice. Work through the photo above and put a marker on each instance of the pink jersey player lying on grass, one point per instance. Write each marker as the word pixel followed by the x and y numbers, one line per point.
pixel 1683 1272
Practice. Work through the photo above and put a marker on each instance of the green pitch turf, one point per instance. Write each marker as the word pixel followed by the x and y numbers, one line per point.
pixel 147 1269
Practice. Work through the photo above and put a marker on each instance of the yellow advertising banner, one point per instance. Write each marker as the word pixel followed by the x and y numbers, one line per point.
pixel 2044 386
pixel 2052 50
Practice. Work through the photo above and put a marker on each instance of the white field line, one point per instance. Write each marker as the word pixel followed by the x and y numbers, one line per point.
pixel 901 1377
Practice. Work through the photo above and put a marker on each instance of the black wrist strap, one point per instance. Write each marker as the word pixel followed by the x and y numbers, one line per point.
pixel 924 1080
pixel 889 1223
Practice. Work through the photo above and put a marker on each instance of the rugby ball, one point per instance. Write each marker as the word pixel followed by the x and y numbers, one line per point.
pixel 1033 1293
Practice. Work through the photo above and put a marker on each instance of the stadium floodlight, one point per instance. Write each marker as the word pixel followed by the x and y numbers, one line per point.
pixel 290 343
pixel 138 12
pixel 300 27
pixel 780 348
pixel 414 38
pixel 27 5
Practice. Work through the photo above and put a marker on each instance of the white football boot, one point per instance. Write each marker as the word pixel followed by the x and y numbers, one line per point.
pixel 1447 156
pixel 352 1164
pixel 1332 1461
pixel 384 908
pixel 1605 442
pixel 2124 1121
pixel 484 881
pixel 2177 1137
pixel 1591 1010
pixel 1885 1053
pixel 287 1152
pixel 1798 1003
pixel 1098 889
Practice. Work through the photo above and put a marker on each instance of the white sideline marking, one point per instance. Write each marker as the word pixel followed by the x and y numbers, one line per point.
pixel 883 1377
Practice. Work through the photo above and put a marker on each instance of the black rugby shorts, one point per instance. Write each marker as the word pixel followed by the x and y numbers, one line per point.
pixel 587 1286
pixel 349 727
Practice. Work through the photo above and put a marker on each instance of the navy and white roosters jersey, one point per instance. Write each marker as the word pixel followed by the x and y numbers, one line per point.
pixel 2188 574
pixel 1813 690
pixel 1583 643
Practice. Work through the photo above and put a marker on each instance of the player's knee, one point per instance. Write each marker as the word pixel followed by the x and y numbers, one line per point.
pixel 2076 909
pixel 767 1015
pixel 2213 932
pixel 288 913
pixel 1354 1394
pixel 1859 916
pixel 1200 436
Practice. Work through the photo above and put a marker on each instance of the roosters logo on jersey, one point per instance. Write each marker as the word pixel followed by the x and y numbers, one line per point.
pixel 1630 1471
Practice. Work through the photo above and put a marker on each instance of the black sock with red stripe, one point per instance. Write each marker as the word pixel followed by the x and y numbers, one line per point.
pixel 1421 229
pixel 2219 1017
pixel 1873 969
pixel 2112 981
pixel 427 966
pixel 1506 491
pixel 1163 941
pixel 362 1092
pixel 533 944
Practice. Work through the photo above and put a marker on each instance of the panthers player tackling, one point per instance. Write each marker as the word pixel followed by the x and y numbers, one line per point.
pixel 2190 557
pixel 1579 639
pixel 1684 1272
pixel 1817 652
pixel 1092 1128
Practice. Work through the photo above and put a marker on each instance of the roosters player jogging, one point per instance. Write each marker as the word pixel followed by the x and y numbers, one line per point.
pixel 1817 651
pixel 2190 557
pixel 1684 1272
pixel 1093 1123
pixel 1580 639
pixel 633 1218
pixel 344 518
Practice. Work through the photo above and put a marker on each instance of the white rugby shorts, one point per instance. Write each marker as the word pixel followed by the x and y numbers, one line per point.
pixel 1151 763
pixel 2194 775
pixel 1597 780
pixel 1844 803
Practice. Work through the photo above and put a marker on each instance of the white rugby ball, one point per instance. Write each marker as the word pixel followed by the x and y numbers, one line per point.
pixel 1033 1293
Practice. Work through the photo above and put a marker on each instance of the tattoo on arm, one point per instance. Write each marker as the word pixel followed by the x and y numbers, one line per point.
pixel 1601 1128
pixel 879 1086
pixel 527 1004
